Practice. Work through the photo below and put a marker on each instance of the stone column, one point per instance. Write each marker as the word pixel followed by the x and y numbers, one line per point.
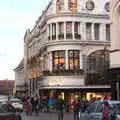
pixel 56 31
pixel 50 61
pixel 73 30
pixel 51 31
pixel 102 32
pixel 48 31
pixel 81 60
pixel 64 30
pixel 92 33
pixel 66 59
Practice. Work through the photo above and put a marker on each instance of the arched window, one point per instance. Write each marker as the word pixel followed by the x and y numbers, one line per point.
pixel 97 66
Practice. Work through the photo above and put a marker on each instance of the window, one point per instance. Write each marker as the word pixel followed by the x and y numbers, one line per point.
pixel 96 31
pixel 58 60
pixel 53 29
pixel 73 59
pixel 69 27
pixel 72 5
pixel 61 28
pixel 107 32
pixel 88 31
pixel 76 27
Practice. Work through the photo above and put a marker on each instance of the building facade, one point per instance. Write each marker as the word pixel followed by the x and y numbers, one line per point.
pixel 20 85
pixel 67 50
pixel 115 48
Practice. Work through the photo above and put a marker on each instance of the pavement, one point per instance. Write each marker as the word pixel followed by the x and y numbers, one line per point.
pixel 47 116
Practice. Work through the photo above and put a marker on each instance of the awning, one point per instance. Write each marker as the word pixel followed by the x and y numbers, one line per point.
pixel 77 87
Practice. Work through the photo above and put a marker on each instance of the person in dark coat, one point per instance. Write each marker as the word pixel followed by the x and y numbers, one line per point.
pixel 60 107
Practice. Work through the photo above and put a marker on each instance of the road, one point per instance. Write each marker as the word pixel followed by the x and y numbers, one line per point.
pixel 47 116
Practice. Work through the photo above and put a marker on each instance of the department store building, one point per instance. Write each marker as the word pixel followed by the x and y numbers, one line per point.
pixel 67 51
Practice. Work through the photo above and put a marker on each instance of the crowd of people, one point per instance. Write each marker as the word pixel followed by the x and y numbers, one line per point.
pixel 45 105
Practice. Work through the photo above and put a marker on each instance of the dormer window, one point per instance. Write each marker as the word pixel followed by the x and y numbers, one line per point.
pixel 72 4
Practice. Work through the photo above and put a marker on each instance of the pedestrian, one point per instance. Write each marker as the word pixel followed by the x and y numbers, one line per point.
pixel 36 105
pixel 44 103
pixel 60 107
pixel 106 111
pixel 76 107
pixel 28 107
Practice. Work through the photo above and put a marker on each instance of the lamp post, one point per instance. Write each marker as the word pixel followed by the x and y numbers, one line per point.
pixel 117 90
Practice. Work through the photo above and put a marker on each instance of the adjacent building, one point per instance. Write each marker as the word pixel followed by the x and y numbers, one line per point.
pixel 67 51
pixel 115 48
pixel 20 84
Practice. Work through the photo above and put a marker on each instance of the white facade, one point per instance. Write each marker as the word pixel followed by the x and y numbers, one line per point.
pixel 19 79
pixel 82 29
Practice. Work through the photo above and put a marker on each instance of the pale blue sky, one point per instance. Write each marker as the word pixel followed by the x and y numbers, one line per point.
pixel 15 17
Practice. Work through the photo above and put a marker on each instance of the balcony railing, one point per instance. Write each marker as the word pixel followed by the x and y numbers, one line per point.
pixel 77 36
pixel 60 36
pixel 64 72
pixel 69 36
pixel 53 37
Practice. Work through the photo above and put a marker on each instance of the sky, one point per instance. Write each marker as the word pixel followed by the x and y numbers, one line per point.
pixel 15 17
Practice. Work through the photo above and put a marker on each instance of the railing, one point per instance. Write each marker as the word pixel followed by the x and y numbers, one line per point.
pixel 64 72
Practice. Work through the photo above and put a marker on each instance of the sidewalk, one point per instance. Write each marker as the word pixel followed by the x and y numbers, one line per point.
pixel 47 116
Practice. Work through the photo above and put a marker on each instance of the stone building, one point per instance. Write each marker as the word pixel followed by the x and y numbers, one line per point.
pixel 67 50
pixel 115 48
pixel 20 84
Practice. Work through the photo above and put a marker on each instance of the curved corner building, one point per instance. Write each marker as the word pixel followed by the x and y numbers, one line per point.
pixel 115 48
pixel 67 50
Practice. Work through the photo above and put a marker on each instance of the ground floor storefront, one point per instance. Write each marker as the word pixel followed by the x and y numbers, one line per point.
pixel 69 94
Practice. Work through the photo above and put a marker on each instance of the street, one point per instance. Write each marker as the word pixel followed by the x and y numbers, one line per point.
pixel 47 116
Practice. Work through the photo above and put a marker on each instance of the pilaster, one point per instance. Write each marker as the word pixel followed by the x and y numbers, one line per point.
pixel 92 33
pixel 56 31
pixel 66 59
pixel 73 30
pixel 64 30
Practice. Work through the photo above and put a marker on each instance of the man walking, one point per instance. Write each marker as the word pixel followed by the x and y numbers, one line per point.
pixel 60 107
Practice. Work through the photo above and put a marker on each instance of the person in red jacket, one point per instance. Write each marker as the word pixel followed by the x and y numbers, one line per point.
pixel 76 107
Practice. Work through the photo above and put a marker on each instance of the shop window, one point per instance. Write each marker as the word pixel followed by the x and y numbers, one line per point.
pixel 108 32
pixel 72 5
pixel 88 31
pixel 96 31
pixel 58 60
pixel 73 59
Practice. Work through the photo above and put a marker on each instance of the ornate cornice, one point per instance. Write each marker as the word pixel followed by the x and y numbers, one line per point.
pixel 85 15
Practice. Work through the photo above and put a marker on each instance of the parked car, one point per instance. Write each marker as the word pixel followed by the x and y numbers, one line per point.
pixel 17 104
pixel 94 110
pixel 7 112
